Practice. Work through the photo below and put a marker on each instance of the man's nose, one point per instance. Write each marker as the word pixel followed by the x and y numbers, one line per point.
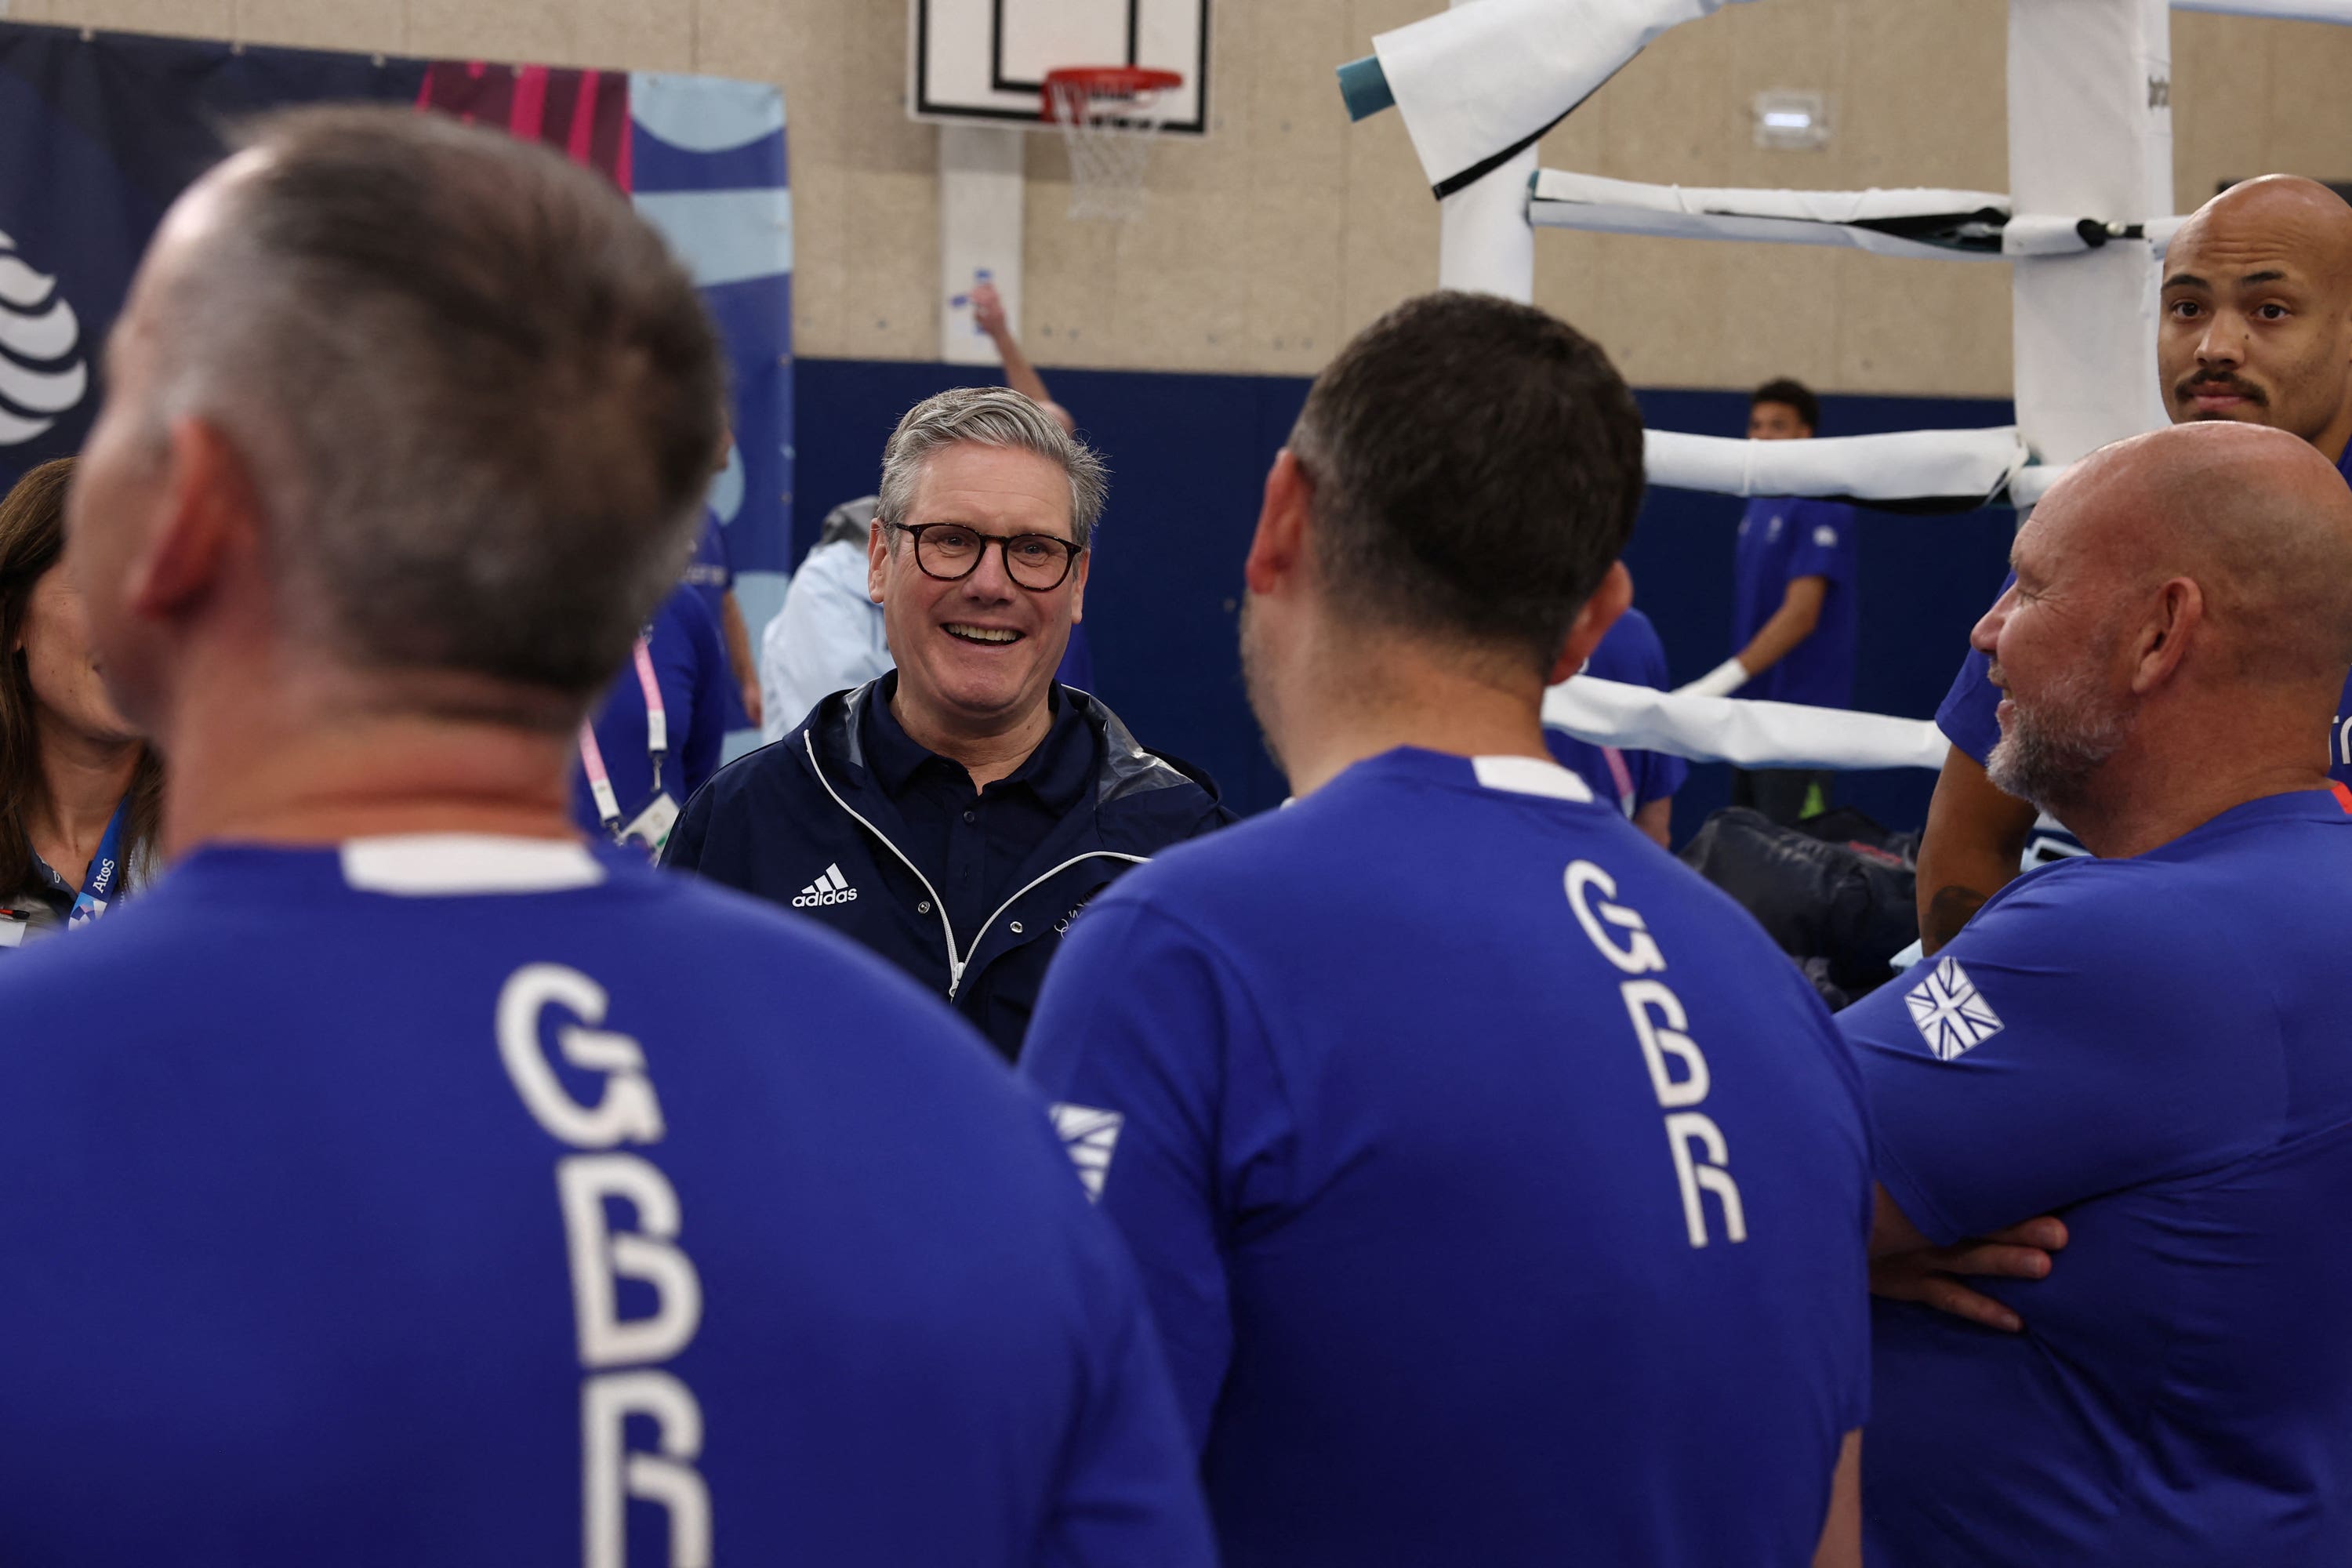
pixel 2224 343
pixel 1987 632
pixel 990 579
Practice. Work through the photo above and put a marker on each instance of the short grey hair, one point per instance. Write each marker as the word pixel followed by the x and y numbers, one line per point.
pixel 477 395
pixel 990 416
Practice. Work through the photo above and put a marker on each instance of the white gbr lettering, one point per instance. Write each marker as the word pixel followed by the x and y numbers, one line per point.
pixel 1639 956
pixel 1677 1068
pixel 588 1186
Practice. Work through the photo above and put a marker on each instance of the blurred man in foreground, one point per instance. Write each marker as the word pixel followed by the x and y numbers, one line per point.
pixel 423 1186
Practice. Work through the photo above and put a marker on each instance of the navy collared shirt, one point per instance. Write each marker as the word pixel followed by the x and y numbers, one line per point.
pixel 973 843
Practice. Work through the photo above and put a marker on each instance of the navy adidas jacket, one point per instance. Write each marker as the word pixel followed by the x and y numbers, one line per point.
pixel 775 822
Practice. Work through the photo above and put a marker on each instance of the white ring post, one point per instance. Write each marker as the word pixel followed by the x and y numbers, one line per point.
pixel 1485 242
pixel 2090 135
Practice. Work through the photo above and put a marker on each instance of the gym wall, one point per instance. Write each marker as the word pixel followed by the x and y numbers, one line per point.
pixel 1286 228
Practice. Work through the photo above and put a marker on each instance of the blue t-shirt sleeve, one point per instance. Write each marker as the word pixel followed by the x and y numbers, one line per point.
pixel 706 732
pixel 1129 1491
pixel 2086 1032
pixel 1657 775
pixel 1969 716
pixel 1825 544
pixel 1142 1020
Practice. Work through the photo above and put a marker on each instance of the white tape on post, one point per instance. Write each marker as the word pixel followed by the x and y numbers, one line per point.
pixel 1746 734
pixel 1484 243
pixel 2090 135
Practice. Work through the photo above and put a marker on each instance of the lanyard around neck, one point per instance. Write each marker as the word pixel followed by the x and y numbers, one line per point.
pixel 105 875
pixel 591 756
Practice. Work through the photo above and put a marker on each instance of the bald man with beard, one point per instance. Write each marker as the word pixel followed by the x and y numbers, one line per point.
pixel 2150 1045
pixel 2257 328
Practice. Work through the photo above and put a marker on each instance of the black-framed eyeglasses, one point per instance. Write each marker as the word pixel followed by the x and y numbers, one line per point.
pixel 951 551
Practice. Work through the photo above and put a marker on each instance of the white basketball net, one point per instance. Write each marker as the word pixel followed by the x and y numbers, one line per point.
pixel 1109 136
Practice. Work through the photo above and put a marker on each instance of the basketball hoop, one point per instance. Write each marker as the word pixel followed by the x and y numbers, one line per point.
pixel 1108 116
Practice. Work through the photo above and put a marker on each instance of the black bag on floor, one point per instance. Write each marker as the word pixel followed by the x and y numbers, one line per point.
pixel 1842 899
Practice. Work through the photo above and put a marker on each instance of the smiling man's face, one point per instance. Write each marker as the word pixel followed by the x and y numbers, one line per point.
pixel 977 654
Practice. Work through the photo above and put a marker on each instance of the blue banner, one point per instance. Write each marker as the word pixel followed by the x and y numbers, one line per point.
pixel 104 129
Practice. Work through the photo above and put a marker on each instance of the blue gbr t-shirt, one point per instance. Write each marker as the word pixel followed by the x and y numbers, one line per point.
pixel 690 671
pixel 1781 539
pixel 1632 653
pixel 2153 1048
pixel 1969 716
pixel 1500 1191
pixel 441 1200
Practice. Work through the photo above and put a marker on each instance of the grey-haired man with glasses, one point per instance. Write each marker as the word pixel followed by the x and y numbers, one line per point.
pixel 957 813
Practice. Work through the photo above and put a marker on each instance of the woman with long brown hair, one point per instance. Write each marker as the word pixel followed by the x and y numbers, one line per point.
pixel 79 790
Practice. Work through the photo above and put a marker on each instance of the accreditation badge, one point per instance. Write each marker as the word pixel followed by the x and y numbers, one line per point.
pixel 649 830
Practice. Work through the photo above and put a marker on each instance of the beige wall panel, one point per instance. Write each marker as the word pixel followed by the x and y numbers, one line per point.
pixel 188 19
pixel 1925 100
pixel 643 34
pixel 1925 327
pixel 1799 46
pixel 892 223
pixel 1292 253
pixel 2311 131
pixel 514 31
pixel 324 24
pixel 2222 103
pixel 1288 228
pixel 1661 309
pixel 1069 270
pixel 1776 309
pixel 1388 250
pixel 1670 112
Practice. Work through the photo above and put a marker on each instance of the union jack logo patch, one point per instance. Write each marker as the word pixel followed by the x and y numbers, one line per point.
pixel 1952 1015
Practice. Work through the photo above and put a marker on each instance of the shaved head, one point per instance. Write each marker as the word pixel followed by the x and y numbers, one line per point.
pixel 2187 592
pixel 2259 520
pixel 2257 312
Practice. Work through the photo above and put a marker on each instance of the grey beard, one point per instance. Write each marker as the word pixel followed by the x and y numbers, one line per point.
pixel 2051 750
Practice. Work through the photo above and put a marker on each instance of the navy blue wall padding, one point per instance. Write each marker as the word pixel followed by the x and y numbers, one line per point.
pixel 1188 455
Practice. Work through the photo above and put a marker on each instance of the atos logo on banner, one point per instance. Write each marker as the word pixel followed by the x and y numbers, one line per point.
pixel 41 374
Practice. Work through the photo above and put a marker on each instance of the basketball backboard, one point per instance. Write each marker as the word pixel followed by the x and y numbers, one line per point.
pixel 985 60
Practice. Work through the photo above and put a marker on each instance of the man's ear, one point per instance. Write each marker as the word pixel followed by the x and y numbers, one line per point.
pixel 1609 600
pixel 878 559
pixel 1078 589
pixel 212 512
pixel 1284 522
pixel 2163 642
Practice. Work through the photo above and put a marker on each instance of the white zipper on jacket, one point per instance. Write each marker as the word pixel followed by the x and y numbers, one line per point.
pixel 956 962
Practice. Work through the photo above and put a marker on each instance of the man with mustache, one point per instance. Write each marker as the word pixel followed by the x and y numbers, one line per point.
pixel 2257 328
pixel 2149 1044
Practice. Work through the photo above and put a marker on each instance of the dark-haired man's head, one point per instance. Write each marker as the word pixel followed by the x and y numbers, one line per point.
pixel 2257 322
pixel 1455 493
pixel 1784 410
pixel 402 398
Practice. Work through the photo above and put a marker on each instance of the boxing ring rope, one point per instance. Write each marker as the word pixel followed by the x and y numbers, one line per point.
pixel 1746 734
pixel 1932 224
pixel 2084 223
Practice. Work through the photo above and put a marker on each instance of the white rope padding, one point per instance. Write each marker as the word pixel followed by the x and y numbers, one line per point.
pixel 1746 734
pixel 1909 465
pixel 1565 200
pixel 2283 10
pixel 1475 82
